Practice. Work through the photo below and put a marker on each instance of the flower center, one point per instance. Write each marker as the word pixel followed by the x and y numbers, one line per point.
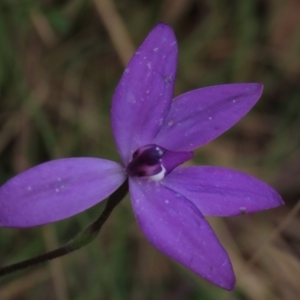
pixel 146 161
pixel 155 162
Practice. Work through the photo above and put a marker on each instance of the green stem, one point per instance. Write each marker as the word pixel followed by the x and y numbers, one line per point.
pixel 83 238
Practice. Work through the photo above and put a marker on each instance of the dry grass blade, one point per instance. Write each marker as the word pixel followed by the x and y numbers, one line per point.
pixel 20 287
pixel 282 226
pixel 116 29
pixel 56 266
pixel 43 29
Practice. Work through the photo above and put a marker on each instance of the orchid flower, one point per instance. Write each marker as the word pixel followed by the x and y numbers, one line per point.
pixel 154 134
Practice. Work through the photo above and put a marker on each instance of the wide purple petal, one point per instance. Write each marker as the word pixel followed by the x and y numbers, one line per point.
pixel 175 226
pixel 56 190
pixel 143 96
pixel 199 116
pixel 222 192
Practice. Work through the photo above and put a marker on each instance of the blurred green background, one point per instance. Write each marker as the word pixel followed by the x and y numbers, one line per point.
pixel 59 63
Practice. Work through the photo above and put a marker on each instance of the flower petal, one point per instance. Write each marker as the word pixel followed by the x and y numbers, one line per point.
pixel 56 190
pixel 143 96
pixel 222 192
pixel 176 227
pixel 172 159
pixel 199 116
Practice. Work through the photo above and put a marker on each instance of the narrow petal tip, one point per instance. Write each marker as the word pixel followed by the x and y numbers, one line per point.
pixel 255 88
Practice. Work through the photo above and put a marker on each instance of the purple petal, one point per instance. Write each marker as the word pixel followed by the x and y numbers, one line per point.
pixel 222 192
pixel 143 96
pixel 199 116
pixel 56 190
pixel 173 159
pixel 175 226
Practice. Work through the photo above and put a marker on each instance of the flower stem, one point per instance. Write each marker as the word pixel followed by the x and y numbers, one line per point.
pixel 83 238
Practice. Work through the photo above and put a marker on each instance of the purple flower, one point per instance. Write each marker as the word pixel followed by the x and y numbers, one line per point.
pixel 154 135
